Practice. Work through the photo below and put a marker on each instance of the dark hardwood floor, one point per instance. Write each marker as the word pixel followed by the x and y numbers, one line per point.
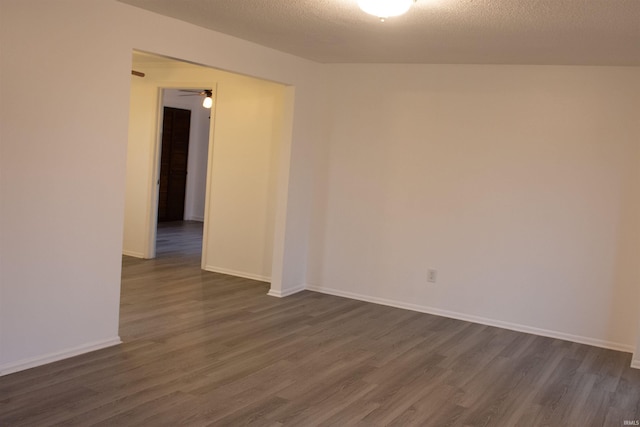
pixel 208 349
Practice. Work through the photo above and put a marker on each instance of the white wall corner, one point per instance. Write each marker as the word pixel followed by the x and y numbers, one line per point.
pixel 281 294
pixel 21 365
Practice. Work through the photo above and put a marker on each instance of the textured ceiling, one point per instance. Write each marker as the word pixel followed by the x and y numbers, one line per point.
pixel 585 32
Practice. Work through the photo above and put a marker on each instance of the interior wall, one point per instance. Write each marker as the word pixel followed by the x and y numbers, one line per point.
pixel 198 150
pixel 635 362
pixel 247 141
pixel 518 184
pixel 248 116
pixel 636 355
pixel 62 183
pixel 138 206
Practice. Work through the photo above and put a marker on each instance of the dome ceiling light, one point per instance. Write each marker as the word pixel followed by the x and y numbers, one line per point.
pixel 385 8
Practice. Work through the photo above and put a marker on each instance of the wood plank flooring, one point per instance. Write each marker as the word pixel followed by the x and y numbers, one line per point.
pixel 208 349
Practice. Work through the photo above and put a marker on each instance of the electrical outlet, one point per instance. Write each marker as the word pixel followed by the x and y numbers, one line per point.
pixel 432 275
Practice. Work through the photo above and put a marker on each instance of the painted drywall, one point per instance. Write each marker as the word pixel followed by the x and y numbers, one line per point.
pixel 139 204
pixel 62 182
pixel 518 184
pixel 198 150
pixel 635 361
pixel 246 145
pixel 246 142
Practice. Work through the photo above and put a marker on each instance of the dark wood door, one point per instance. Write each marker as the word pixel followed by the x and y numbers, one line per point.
pixel 173 164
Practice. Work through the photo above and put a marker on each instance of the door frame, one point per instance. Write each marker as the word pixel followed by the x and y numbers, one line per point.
pixel 152 204
pixel 282 268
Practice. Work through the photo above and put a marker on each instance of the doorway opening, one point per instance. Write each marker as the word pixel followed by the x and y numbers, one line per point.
pixel 184 145
pixel 233 199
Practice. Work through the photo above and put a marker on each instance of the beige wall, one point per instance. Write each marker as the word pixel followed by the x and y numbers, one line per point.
pixel 141 157
pixel 246 146
pixel 246 142
pixel 62 182
pixel 518 184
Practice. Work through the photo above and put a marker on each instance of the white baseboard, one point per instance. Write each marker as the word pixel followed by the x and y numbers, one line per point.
pixel 133 254
pixel 635 363
pixel 286 292
pixel 195 218
pixel 476 319
pixel 21 365
pixel 230 272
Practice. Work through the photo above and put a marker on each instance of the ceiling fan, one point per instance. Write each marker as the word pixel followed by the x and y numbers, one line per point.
pixel 207 93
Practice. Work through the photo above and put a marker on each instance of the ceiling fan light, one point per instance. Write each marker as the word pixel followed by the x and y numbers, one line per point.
pixel 385 8
pixel 208 102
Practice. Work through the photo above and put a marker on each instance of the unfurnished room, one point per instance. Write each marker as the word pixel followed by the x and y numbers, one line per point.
pixel 320 213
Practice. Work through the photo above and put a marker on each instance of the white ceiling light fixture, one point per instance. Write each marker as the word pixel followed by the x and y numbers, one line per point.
pixel 385 8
